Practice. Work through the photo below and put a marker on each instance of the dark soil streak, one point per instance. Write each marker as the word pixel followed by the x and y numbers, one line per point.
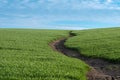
pixel 101 69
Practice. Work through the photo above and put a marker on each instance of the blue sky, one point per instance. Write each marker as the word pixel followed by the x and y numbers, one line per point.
pixel 59 14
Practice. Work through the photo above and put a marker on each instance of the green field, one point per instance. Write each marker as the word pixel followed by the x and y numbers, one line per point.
pixel 26 55
pixel 97 43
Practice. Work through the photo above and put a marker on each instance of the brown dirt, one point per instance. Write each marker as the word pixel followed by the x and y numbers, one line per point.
pixel 100 69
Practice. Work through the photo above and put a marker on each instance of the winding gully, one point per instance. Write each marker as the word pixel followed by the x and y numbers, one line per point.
pixel 100 69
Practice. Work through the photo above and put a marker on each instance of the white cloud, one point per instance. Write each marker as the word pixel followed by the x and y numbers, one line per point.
pixel 80 4
pixel 69 27
pixel 94 4
pixel 109 1
pixel 63 4
pixel 25 1
pixel 3 3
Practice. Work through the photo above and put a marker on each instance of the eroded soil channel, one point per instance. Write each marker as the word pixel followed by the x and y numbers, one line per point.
pixel 100 69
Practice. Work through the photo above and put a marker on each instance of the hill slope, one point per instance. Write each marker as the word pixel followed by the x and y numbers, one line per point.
pixel 97 43
pixel 26 55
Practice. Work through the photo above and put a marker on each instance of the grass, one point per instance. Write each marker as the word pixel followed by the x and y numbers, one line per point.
pixel 97 43
pixel 26 55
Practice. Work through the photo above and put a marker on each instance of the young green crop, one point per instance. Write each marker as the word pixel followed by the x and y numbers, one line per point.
pixel 100 43
pixel 26 55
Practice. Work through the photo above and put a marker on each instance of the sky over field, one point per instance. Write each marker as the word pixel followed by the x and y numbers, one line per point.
pixel 59 14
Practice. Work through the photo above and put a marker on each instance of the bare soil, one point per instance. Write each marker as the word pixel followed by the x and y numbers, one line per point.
pixel 100 69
